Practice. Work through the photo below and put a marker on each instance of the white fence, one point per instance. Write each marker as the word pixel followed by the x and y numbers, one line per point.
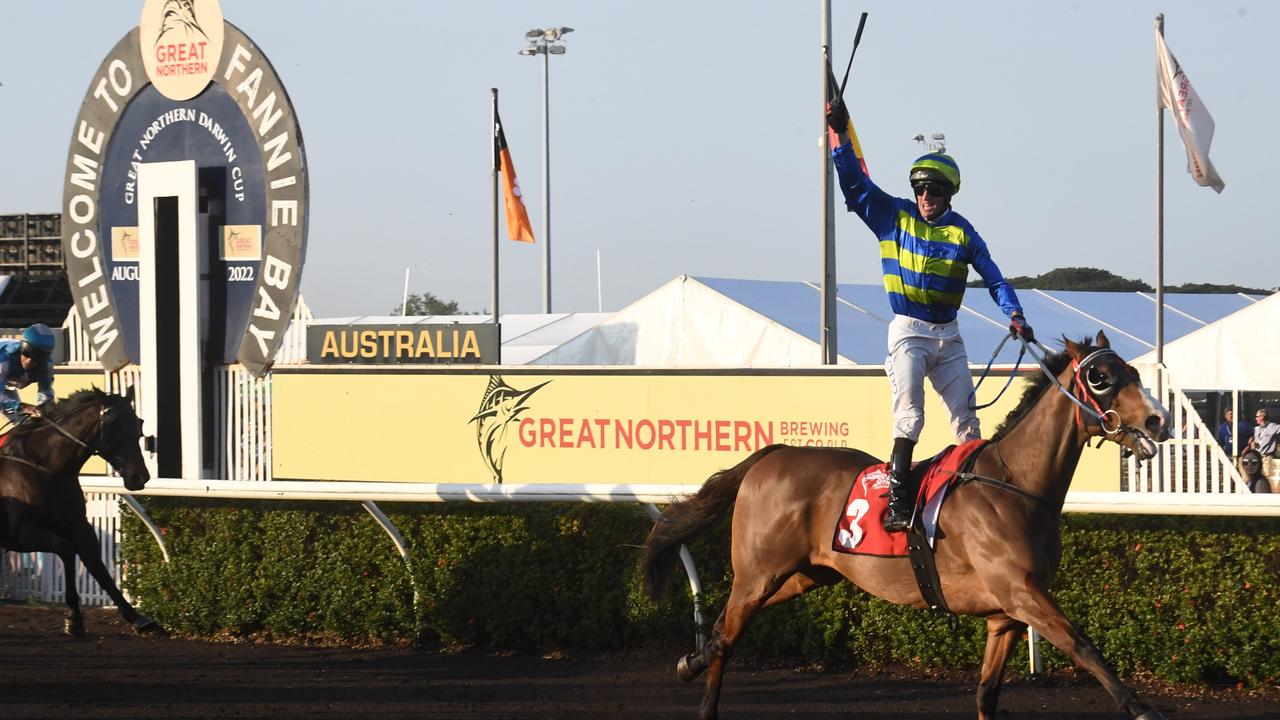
pixel 1192 461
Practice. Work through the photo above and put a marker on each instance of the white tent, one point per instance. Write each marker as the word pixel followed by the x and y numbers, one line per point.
pixel 721 322
pixel 1237 352
pixel 687 324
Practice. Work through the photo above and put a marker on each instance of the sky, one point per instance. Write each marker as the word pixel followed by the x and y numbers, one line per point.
pixel 684 136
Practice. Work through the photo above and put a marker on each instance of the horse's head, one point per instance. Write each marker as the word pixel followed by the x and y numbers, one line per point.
pixel 1130 416
pixel 119 433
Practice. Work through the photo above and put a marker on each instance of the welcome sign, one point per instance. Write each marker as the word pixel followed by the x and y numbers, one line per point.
pixel 187 85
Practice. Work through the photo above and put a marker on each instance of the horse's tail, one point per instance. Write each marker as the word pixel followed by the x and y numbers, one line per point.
pixel 684 520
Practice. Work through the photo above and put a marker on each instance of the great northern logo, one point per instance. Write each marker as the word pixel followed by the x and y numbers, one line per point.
pixel 500 405
pixel 181 44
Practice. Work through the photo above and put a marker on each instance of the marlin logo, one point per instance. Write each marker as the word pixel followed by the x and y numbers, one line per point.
pixel 180 16
pixel 500 405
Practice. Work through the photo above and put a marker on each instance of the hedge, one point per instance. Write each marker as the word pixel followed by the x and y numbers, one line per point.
pixel 1186 599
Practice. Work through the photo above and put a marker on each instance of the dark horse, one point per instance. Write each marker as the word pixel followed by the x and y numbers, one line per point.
pixel 1001 546
pixel 42 508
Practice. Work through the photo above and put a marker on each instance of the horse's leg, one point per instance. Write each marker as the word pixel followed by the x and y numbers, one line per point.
pixel 73 622
pixel 692 665
pixel 749 594
pixel 1039 610
pixel 1002 633
pixel 90 550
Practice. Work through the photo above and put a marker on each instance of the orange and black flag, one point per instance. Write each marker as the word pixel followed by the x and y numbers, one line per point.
pixel 833 90
pixel 518 227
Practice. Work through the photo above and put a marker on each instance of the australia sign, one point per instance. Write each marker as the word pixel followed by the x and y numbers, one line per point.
pixel 187 85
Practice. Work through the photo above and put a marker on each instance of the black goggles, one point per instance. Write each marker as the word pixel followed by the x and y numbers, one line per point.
pixel 34 353
pixel 932 189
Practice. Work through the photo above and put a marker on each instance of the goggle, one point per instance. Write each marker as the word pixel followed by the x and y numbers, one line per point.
pixel 33 352
pixel 933 189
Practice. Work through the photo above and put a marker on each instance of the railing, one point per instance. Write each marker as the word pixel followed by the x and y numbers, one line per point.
pixel 1192 461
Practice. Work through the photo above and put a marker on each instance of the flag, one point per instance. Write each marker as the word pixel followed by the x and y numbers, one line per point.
pixel 833 89
pixel 518 227
pixel 1195 125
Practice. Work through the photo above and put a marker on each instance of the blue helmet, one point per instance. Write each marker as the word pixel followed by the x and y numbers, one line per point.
pixel 37 341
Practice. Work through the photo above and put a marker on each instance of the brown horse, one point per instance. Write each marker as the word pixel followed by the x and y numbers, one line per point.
pixel 1001 546
pixel 42 508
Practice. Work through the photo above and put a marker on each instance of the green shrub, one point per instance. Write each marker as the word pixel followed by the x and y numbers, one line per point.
pixel 1186 599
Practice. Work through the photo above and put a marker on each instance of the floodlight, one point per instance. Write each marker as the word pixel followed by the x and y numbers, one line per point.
pixel 556 49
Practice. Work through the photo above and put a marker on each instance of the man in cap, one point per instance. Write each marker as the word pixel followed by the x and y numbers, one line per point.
pixel 23 362
pixel 926 249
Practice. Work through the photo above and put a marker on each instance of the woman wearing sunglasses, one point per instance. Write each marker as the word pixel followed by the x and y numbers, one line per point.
pixel 23 362
pixel 926 249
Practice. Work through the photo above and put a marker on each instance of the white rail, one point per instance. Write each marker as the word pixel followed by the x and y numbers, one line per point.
pixel 1191 461
pixel 1090 502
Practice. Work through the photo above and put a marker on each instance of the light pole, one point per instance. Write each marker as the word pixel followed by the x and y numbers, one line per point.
pixel 543 42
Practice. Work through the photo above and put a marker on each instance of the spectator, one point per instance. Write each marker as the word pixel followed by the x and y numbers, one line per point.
pixel 1243 431
pixel 1251 471
pixel 1265 434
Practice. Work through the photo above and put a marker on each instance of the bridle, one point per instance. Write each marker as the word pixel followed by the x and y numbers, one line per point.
pixel 1091 395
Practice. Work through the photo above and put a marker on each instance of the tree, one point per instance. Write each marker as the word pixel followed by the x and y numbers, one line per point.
pixel 428 304
pixel 1084 278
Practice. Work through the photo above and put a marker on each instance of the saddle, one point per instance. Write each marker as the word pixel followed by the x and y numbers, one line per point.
pixel 860 527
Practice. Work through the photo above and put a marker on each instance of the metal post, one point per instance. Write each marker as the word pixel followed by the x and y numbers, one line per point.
pixel 1159 458
pixel 546 177
pixel 827 321
pixel 493 148
pixel 1159 222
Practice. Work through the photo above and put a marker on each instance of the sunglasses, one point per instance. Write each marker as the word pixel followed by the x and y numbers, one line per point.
pixel 932 189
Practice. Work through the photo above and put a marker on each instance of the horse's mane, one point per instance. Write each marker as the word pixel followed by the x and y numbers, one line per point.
pixel 1039 383
pixel 61 409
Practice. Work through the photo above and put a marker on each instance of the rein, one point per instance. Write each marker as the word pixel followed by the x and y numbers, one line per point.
pixel 987 369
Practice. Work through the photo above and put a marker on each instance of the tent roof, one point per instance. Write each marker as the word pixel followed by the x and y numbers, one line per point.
pixel 705 321
pixel 1236 352
pixel 863 315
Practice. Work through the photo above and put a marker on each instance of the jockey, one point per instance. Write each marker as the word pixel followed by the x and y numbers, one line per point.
pixel 23 362
pixel 926 249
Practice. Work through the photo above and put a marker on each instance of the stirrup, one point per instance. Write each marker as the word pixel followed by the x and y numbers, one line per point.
pixel 897 522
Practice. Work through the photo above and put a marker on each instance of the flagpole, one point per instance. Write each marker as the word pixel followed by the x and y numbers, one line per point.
pixel 493 176
pixel 1159 217
pixel 827 321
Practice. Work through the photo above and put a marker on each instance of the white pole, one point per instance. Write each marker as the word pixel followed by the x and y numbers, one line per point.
pixel 599 285
pixel 404 299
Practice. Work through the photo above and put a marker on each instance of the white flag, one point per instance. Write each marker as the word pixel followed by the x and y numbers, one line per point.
pixel 1195 125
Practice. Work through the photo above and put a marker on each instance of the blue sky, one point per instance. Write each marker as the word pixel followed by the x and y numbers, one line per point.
pixel 684 136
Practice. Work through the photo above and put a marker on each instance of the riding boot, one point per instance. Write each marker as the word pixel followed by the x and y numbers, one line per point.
pixel 902 489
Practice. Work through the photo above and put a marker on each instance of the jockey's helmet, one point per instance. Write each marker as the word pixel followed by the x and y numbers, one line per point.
pixel 37 341
pixel 936 167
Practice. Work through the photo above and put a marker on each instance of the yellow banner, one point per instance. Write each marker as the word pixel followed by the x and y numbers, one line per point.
pixel 585 427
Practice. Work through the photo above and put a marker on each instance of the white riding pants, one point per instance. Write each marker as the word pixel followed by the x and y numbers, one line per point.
pixel 918 349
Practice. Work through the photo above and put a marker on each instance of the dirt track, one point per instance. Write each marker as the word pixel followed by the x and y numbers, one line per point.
pixel 114 674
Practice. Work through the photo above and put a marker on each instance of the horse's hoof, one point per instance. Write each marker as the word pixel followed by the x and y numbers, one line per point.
pixel 1151 715
pixel 73 628
pixel 684 671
